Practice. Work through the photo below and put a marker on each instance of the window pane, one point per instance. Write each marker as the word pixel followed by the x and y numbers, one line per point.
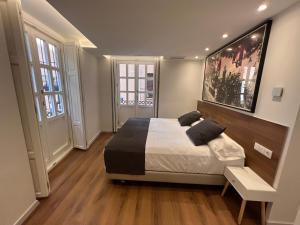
pixel 149 99
pixel 131 98
pixel 131 72
pixel 38 109
pixel 150 69
pixel 28 49
pixel 56 81
pixel 50 108
pixel 123 85
pixel 123 98
pixel 122 70
pixel 33 79
pixel 131 84
pixel 149 85
pixel 46 79
pixel 42 51
pixel 59 104
pixel 141 100
pixel 53 56
pixel 141 85
pixel 142 70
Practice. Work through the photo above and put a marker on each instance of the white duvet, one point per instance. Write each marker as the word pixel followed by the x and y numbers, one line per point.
pixel 169 149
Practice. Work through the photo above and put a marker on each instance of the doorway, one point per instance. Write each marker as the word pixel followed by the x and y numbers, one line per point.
pixel 135 89
pixel 48 88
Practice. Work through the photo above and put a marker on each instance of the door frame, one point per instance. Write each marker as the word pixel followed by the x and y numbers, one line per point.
pixel 115 89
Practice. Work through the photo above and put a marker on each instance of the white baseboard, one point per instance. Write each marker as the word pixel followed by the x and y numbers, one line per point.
pixel 60 158
pixel 279 223
pixel 27 213
pixel 90 142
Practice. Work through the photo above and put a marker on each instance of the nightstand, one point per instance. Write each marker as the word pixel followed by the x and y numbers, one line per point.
pixel 251 187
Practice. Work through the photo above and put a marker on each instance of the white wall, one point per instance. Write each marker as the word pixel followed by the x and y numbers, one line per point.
pixel 285 207
pixel 281 69
pixel 16 185
pixel 180 87
pixel 106 95
pixel 91 87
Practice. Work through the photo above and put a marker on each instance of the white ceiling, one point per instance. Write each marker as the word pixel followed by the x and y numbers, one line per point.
pixel 42 11
pixel 164 27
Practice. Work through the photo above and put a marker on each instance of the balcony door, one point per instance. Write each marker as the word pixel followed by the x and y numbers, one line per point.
pixel 47 78
pixel 136 90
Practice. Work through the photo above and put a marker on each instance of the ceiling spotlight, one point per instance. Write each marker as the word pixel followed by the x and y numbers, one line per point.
pixel 225 35
pixel 262 7
pixel 253 36
pixel 207 49
pixel 229 49
pixel 196 57
pixel 107 56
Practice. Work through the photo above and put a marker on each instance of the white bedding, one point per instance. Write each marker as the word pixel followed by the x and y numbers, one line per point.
pixel 169 149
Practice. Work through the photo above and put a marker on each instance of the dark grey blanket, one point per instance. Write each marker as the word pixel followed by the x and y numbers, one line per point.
pixel 125 153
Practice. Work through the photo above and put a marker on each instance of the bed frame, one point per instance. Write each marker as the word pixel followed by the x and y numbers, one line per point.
pixel 244 129
pixel 169 177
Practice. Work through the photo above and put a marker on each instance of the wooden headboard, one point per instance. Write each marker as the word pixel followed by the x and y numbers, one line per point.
pixel 246 130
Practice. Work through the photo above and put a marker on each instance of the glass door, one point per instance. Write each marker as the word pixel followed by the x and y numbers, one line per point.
pixel 135 90
pixel 47 77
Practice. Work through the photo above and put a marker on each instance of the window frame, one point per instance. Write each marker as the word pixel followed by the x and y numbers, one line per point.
pixel 37 66
pixel 136 78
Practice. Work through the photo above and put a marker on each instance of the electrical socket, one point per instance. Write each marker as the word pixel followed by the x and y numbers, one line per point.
pixel 263 150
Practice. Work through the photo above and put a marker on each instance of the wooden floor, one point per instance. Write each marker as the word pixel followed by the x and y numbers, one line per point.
pixel 81 195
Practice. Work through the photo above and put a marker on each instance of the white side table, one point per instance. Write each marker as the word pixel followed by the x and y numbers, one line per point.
pixel 251 187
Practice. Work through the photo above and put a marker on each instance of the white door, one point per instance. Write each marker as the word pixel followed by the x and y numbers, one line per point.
pixel 47 78
pixel 135 90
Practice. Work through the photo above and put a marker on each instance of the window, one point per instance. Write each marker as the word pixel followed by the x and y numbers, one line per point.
pixel 127 84
pixel 146 84
pixel 46 77
pixel 136 84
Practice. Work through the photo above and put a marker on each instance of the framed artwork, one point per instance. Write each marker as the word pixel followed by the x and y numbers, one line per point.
pixel 232 74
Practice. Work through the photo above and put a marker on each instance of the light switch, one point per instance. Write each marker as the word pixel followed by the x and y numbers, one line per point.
pixel 277 93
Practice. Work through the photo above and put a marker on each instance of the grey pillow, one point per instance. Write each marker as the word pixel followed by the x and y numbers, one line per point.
pixel 204 132
pixel 189 118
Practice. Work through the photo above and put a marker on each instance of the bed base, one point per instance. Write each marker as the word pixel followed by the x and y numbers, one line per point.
pixel 169 177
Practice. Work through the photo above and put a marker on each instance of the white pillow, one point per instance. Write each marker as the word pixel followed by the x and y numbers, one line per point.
pixel 196 122
pixel 224 147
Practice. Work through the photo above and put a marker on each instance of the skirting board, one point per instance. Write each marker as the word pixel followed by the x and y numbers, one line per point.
pixel 279 223
pixel 169 177
pixel 60 158
pixel 27 213
pixel 90 142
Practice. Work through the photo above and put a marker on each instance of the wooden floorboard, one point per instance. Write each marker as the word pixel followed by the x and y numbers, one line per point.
pixel 81 195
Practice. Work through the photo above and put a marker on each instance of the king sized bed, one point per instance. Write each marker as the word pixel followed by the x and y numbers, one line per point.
pixel 160 150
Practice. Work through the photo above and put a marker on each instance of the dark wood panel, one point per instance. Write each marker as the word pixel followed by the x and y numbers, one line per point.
pixel 246 130
pixel 81 195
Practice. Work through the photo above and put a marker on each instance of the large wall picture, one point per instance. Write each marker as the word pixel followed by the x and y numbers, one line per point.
pixel 232 74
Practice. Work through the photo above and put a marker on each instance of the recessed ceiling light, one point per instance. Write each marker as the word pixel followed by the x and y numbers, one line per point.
pixel 229 49
pixel 107 56
pixel 225 35
pixel 207 49
pixel 196 57
pixel 262 7
pixel 253 36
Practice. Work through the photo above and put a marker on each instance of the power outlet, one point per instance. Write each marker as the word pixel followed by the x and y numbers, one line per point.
pixel 263 150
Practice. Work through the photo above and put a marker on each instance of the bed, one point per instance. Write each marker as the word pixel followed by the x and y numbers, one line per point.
pixel 159 150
